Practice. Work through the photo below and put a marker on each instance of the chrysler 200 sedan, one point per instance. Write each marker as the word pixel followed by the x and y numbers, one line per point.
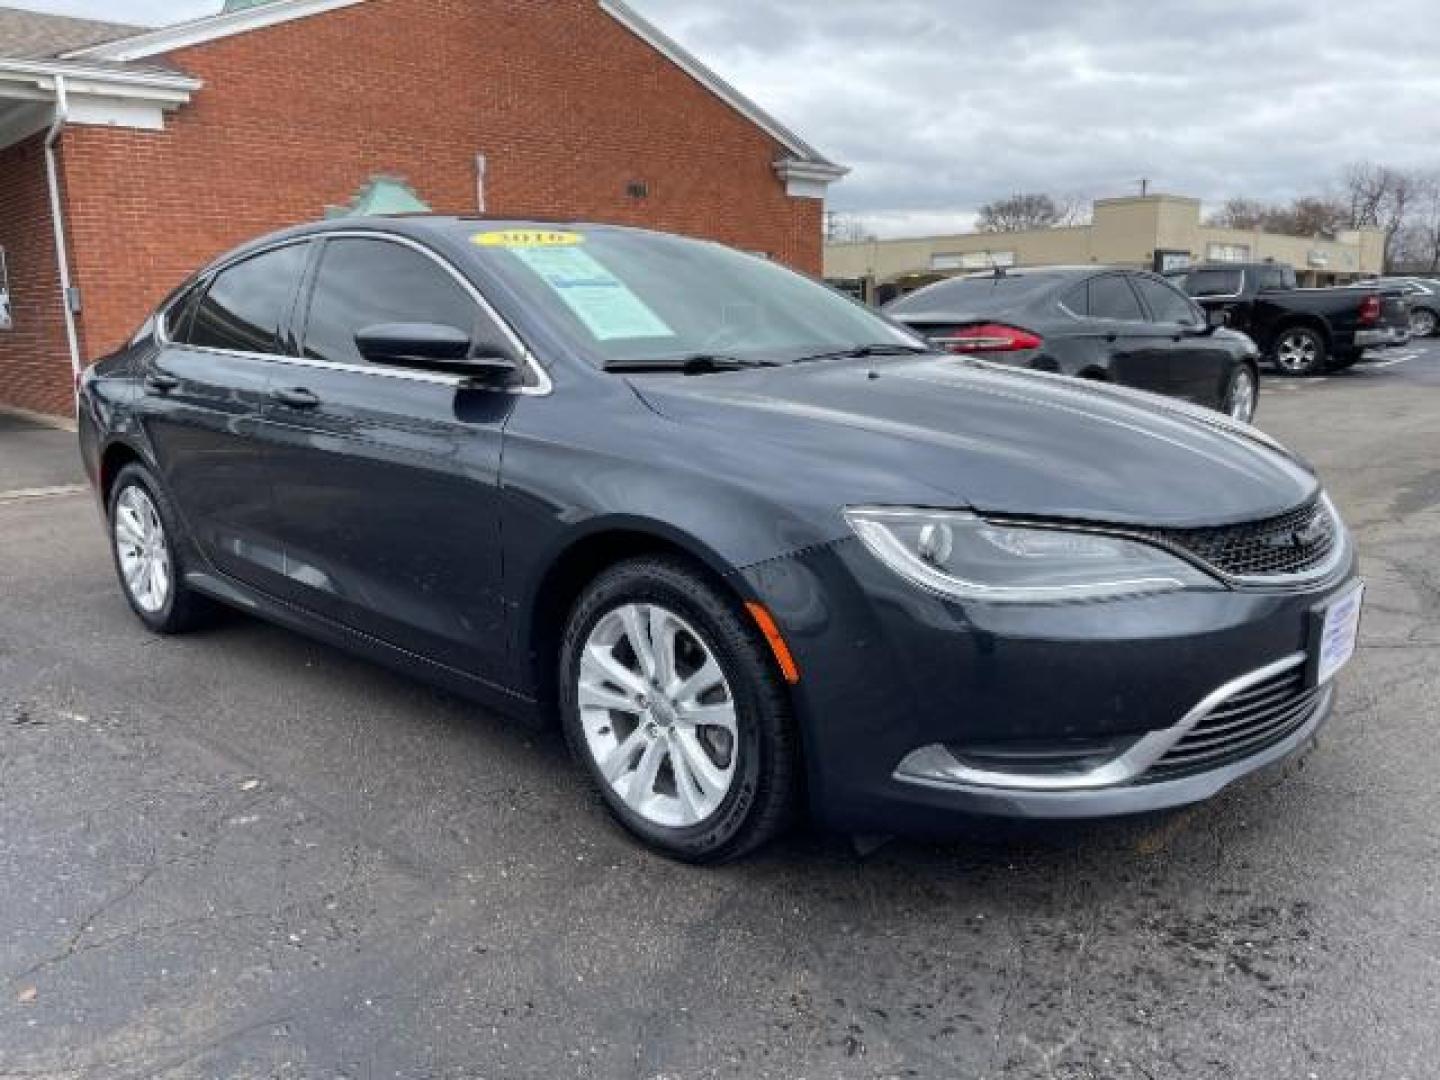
pixel 757 548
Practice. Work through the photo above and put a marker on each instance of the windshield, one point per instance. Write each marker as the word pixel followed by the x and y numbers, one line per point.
pixel 631 297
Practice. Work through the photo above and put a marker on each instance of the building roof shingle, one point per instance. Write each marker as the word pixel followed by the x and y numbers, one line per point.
pixel 34 35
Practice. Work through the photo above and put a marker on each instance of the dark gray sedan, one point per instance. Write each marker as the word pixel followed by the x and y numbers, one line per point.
pixel 754 547
pixel 1100 323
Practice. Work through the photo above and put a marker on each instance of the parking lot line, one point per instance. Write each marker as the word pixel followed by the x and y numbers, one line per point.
pixel 21 494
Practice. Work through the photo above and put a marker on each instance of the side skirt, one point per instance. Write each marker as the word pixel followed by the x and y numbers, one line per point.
pixel 458 682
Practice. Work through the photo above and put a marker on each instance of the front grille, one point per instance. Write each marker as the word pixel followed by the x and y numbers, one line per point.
pixel 1292 543
pixel 1242 724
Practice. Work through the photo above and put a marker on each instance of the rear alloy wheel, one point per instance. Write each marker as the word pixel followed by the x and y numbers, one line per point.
pixel 671 703
pixel 1243 395
pixel 1422 322
pixel 142 542
pixel 1300 351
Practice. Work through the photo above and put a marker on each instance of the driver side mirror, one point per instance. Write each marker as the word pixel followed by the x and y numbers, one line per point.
pixel 1217 318
pixel 434 347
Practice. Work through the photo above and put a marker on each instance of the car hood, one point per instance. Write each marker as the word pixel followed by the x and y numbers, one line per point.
pixel 936 430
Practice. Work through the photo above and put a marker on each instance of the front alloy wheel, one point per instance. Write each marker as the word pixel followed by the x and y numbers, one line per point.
pixel 1300 351
pixel 658 714
pixel 1422 322
pixel 1244 391
pixel 673 705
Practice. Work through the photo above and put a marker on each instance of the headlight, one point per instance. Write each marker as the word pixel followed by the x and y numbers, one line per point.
pixel 960 555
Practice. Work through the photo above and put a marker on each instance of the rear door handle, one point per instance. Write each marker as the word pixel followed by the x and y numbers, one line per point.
pixel 296 398
pixel 161 384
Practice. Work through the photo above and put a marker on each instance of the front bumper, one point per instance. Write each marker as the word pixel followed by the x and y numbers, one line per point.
pixel 888 671
pixel 1383 337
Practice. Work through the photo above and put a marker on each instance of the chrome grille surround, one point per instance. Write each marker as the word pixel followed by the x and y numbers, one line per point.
pixel 1303 544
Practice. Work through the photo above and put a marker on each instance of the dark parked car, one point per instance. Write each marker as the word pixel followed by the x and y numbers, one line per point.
pixel 1423 296
pixel 1112 325
pixel 755 546
pixel 1304 331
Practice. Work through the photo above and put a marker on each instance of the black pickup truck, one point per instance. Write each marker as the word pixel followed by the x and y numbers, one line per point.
pixel 1303 331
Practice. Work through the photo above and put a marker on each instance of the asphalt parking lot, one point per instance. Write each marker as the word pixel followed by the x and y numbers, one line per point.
pixel 242 854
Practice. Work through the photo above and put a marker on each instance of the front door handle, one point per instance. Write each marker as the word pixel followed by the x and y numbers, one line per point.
pixel 161 383
pixel 296 398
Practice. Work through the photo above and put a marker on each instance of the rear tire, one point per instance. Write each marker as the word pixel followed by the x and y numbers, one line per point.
pixel 698 790
pixel 147 559
pixel 1299 350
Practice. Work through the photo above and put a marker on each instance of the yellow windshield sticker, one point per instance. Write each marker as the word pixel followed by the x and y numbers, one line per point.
pixel 529 238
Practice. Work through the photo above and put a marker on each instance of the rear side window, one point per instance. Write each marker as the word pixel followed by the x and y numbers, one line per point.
pixel 248 302
pixel 1112 298
pixel 363 283
pixel 1214 282
pixel 1077 300
pixel 1165 304
pixel 1277 277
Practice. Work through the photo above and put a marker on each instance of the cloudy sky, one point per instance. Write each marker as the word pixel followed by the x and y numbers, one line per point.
pixel 941 105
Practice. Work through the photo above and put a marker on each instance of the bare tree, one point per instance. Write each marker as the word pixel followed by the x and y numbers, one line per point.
pixel 1240 213
pixel 1021 211
pixel 1309 215
pixel 845 228
pixel 1074 210
pixel 1417 245
pixel 1380 197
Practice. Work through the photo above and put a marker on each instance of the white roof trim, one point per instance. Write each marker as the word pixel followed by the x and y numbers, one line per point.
pixel 36 79
pixel 199 31
pixel 691 65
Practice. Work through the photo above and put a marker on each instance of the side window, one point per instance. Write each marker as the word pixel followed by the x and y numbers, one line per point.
pixel 1165 304
pixel 364 283
pixel 1077 301
pixel 181 310
pixel 1272 277
pixel 1112 298
pixel 247 303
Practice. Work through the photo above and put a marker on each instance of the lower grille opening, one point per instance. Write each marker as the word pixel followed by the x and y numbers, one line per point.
pixel 1243 724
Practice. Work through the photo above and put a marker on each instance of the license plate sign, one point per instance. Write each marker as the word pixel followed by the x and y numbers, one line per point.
pixel 1339 631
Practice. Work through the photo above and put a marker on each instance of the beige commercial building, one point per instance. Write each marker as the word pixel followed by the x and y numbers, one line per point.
pixel 1155 231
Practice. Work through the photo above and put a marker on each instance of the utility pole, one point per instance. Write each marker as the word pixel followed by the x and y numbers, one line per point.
pixel 1144 186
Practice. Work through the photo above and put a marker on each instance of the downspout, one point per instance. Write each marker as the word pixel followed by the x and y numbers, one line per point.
pixel 57 218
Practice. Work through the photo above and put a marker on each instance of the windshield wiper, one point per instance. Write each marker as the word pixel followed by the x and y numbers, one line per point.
pixel 697 364
pixel 858 352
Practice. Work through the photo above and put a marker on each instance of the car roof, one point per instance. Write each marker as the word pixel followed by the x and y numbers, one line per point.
pixel 419 227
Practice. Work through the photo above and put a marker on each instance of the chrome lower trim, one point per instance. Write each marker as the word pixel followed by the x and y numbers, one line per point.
pixel 936 766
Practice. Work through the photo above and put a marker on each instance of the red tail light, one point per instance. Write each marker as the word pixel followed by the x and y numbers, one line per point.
pixel 985 338
pixel 1370 309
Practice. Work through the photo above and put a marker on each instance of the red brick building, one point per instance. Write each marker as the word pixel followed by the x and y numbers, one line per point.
pixel 151 151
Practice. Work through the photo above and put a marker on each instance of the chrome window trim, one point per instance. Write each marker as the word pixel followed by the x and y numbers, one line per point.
pixel 543 384
pixel 921 766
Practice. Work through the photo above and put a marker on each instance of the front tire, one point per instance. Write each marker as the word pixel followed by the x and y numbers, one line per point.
pixel 1300 351
pixel 1423 323
pixel 142 542
pixel 672 704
